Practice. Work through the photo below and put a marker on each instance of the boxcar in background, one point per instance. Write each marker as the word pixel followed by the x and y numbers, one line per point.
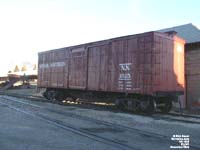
pixel 147 68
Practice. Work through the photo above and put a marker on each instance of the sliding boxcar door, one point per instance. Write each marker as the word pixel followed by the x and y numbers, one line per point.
pixel 77 68
pixel 98 68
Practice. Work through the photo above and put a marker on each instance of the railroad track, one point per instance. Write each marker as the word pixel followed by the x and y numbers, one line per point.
pixel 69 114
pixel 88 134
pixel 168 117
pixel 177 118
pixel 67 127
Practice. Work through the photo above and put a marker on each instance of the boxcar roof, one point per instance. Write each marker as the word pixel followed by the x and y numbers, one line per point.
pixel 113 39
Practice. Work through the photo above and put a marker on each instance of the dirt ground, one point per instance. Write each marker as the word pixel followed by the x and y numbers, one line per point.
pixel 30 91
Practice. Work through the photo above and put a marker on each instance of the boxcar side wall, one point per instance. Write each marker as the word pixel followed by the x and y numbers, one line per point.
pixel 78 68
pixel 115 66
pixel 52 69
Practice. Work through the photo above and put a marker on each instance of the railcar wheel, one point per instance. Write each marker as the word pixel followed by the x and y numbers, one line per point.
pixel 133 105
pixel 147 106
pixel 45 94
pixel 167 106
pixel 59 96
pixel 120 104
pixel 51 95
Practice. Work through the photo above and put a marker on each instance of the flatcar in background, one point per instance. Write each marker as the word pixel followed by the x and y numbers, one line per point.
pixel 139 72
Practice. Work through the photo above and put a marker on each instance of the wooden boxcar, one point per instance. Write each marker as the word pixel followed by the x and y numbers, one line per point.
pixel 142 66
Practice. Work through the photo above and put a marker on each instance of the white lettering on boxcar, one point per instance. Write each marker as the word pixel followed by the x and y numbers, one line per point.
pixel 126 76
pixel 124 80
pixel 44 66
pixel 125 66
pixel 55 64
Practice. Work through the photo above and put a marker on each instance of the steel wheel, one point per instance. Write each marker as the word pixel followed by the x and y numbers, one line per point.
pixel 167 107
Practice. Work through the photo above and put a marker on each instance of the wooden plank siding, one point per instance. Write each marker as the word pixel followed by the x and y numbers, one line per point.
pixel 193 74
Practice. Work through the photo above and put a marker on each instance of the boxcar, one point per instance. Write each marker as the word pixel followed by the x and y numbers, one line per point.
pixel 138 72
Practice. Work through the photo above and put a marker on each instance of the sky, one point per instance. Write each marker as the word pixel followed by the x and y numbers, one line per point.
pixel 31 26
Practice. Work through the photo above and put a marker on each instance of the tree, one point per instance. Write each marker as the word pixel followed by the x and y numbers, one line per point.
pixel 24 68
pixel 34 67
pixel 16 69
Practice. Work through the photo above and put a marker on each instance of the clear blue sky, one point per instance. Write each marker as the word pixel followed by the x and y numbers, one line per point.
pixel 30 26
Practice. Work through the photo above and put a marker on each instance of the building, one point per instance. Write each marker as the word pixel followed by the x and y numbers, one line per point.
pixel 192 76
pixel 191 34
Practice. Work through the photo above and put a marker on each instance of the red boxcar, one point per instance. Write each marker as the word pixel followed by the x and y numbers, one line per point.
pixel 150 63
